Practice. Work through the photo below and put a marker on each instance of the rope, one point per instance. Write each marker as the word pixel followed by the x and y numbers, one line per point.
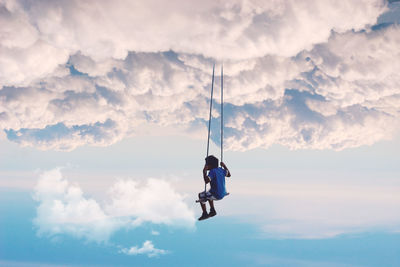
pixel 222 115
pixel 209 120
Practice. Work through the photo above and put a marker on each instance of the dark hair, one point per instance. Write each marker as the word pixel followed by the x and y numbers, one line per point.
pixel 212 161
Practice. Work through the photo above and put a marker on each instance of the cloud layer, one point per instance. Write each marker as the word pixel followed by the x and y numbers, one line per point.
pixel 64 209
pixel 310 207
pixel 304 75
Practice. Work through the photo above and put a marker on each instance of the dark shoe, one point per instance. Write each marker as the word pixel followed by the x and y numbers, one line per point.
pixel 212 213
pixel 204 216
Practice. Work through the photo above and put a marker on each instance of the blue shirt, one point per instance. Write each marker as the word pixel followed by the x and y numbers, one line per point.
pixel 217 177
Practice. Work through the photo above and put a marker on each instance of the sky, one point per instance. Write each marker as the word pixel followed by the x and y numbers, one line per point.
pixel 104 111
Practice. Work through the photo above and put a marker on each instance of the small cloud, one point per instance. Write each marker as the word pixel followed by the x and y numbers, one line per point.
pixel 147 248
pixel 155 232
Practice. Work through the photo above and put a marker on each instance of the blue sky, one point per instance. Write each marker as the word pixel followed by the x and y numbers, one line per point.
pixel 239 230
pixel 234 243
pixel 104 124
pixel 244 248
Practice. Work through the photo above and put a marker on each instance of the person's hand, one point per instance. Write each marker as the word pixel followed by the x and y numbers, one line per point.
pixel 223 165
pixel 205 168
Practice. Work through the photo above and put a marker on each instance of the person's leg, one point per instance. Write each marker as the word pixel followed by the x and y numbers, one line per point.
pixel 203 207
pixel 212 209
pixel 211 204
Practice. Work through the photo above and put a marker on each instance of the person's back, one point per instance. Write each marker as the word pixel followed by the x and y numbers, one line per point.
pixel 217 176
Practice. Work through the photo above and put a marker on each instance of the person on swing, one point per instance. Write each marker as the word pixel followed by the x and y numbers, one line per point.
pixel 216 177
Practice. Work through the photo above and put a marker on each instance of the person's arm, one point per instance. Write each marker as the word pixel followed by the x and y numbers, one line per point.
pixel 206 178
pixel 228 173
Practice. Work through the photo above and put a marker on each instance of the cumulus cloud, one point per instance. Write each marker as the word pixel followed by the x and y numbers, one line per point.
pixel 301 74
pixel 155 202
pixel 64 209
pixel 147 248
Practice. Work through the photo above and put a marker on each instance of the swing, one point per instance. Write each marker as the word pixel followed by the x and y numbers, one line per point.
pixel 206 198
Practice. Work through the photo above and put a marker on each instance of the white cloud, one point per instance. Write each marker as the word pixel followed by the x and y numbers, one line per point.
pixel 147 248
pixel 155 232
pixel 238 29
pixel 155 201
pixel 63 208
pixel 329 84
pixel 19 67
pixel 346 97
pixel 49 32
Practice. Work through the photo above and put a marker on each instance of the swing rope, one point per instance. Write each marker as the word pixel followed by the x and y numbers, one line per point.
pixel 222 115
pixel 209 120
